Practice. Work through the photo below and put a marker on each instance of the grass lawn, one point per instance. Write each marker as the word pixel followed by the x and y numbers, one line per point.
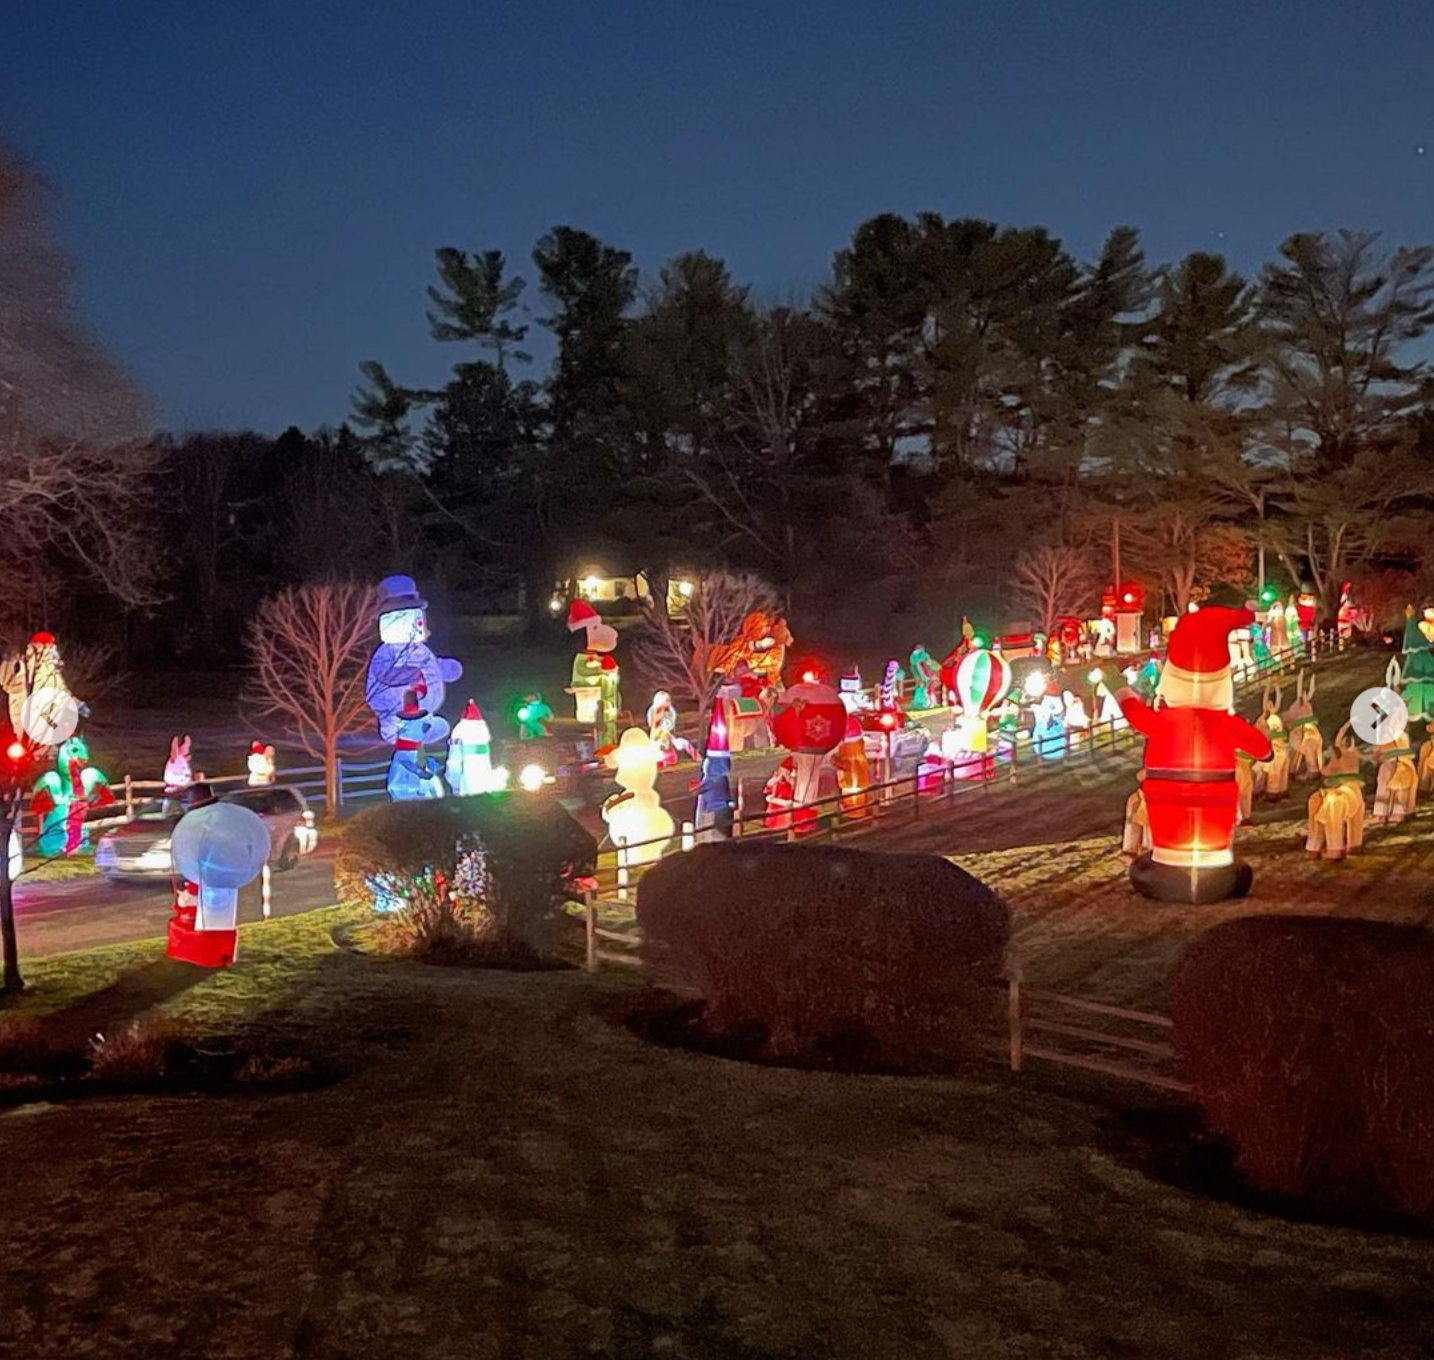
pixel 507 1171
pixel 60 869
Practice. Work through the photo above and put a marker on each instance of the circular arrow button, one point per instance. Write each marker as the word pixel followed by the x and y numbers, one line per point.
pixel 1378 715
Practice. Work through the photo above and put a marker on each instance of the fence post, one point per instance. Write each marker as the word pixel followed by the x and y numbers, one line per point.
pixel 128 799
pixel 741 808
pixel 916 794
pixel 338 784
pixel 622 874
pixel 688 840
pixel 590 906
pixel 1013 1016
pixel 266 889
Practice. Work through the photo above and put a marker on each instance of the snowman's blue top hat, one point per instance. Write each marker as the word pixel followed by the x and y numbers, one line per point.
pixel 399 592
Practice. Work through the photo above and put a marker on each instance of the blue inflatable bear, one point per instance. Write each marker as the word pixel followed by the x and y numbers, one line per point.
pixel 411 773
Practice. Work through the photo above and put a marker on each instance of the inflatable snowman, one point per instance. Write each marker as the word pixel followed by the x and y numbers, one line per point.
pixel 635 817
pixel 403 660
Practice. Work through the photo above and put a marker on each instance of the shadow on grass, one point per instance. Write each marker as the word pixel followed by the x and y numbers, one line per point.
pixel 125 999
pixel 1170 1144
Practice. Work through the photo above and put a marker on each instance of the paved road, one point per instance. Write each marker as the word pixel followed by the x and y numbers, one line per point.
pixel 52 918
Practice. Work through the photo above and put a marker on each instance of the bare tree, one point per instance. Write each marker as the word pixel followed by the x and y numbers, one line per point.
pixel 309 647
pixel 73 468
pixel 1055 580
pixel 675 654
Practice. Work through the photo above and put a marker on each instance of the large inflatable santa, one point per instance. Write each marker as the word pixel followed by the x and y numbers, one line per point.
pixel 1192 733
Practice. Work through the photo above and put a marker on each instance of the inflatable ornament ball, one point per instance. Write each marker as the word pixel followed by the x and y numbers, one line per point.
pixel 808 720
pixel 216 849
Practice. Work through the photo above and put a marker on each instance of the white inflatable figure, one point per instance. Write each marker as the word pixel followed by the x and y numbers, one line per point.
pixel 37 674
pixel 1278 630
pixel 1242 656
pixel 470 756
pixel 261 764
pixel 636 820
pixel 178 774
pixel 1104 636
pixel 1110 718
pixel 403 659
pixel 1077 719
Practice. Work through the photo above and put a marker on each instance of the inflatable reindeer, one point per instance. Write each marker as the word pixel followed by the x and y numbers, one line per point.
pixel 1272 776
pixel 1336 809
pixel 1302 728
pixel 1135 841
pixel 1426 760
pixel 1396 786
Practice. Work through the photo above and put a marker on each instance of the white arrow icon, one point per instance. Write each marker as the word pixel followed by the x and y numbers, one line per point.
pixel 1378 715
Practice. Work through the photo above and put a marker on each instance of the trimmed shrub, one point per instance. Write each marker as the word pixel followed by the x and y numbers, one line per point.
pixel 821 953
pixel 1309 1042
pixel 480 880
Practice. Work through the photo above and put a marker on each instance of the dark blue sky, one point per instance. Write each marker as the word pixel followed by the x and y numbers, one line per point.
pixel 253 191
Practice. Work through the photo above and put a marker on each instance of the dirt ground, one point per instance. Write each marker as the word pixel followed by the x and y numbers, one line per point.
pixel 507 1171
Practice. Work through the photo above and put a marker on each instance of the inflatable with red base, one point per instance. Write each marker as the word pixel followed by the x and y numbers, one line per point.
pixel 1192 734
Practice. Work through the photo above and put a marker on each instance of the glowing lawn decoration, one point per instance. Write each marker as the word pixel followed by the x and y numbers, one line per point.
pixel 216 849
pixel 927 676
pixel 809 720
pixel 41 705
pixel 636 820
pixel 1192 735
pixel 64 795
pixel 982 681
pixel 534 718
pixel 412 773
pixel 470 762
pixel 596 680
pixel 261 764
pixel 403 659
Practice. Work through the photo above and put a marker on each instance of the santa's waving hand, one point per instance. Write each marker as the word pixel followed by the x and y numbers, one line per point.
pixel 1192 733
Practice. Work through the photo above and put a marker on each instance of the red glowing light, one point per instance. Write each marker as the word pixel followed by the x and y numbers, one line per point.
pixel 810 677
pixel 15 751
pixel 888 719
pixel 1129 598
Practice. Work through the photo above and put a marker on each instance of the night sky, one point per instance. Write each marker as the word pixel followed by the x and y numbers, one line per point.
pixel 253 191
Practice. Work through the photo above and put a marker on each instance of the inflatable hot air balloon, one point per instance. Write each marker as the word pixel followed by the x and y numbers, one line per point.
pixel 983 679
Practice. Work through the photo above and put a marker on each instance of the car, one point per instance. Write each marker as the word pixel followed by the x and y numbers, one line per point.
pixel 140 849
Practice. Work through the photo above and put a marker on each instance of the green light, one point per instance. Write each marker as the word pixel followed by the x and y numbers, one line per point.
pixel 977 640
pixel 1269 595
pixel 524 713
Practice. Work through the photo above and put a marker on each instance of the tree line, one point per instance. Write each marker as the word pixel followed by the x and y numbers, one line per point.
pixel 957 396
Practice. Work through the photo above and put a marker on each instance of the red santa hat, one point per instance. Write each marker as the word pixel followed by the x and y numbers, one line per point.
pixel 43 640
pixel 471 713
pixel 1197 662
pixel 256 748
pixel 580 615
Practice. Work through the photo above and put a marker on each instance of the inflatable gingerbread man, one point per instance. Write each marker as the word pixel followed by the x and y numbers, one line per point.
pixel 1192 734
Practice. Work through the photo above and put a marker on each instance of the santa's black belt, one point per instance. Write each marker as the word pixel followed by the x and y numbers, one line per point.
pixel 1192 776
